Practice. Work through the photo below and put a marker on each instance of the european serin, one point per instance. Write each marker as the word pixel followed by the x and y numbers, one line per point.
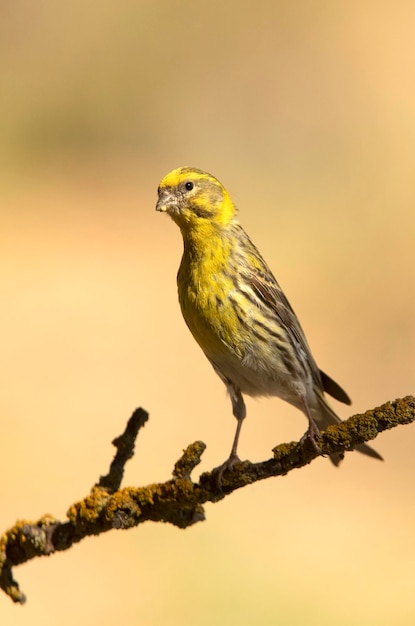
pixel 238 313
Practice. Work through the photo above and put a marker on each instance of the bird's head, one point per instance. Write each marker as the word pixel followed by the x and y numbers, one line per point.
pixel 194 199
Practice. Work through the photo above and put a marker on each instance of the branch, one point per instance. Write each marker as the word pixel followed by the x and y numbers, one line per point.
pixel 179 500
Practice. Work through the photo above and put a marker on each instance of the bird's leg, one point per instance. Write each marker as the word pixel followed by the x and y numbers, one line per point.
pixel 239 411
pixel 312 433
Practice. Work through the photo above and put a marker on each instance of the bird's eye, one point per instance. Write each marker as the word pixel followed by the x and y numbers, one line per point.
pixel 189 185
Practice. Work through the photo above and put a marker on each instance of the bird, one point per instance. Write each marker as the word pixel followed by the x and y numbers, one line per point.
pixel 238 313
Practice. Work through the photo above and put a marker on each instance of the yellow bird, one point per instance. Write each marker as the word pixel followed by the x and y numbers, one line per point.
pixel 238 313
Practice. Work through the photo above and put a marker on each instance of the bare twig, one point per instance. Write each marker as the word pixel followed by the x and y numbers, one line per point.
pixel 179 500
pixel 125 451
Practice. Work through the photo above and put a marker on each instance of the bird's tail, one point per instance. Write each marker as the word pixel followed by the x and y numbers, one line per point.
pixel 327 417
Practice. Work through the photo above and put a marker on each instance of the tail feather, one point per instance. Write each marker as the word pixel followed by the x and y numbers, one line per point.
pixel 333 389
pixel 327 417
pixel 337 457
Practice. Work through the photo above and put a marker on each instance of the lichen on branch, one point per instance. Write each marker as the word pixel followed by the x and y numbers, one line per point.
pixel 179 500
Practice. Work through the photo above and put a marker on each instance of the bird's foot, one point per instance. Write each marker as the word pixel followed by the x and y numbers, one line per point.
pixel 221 469
pixel 312 437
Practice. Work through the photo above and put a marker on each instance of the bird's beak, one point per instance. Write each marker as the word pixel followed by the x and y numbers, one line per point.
pixel 167 202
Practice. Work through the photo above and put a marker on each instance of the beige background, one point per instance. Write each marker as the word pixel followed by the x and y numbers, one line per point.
pixel 305 111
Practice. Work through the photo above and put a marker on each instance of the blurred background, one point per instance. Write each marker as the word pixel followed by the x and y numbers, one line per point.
pixel 305 111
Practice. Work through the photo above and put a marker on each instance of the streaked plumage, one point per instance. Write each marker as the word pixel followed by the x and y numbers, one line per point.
pixel 236 310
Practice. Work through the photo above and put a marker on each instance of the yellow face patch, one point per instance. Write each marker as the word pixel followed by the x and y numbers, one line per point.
pixel 193 197
pixel 184 174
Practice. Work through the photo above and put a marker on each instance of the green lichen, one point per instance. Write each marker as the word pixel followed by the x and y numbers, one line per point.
pixel 179 500
pixel 190 458
pixel 88 511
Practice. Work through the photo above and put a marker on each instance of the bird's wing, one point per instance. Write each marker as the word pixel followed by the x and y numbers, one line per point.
pixel 258 275
pixel 273 297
